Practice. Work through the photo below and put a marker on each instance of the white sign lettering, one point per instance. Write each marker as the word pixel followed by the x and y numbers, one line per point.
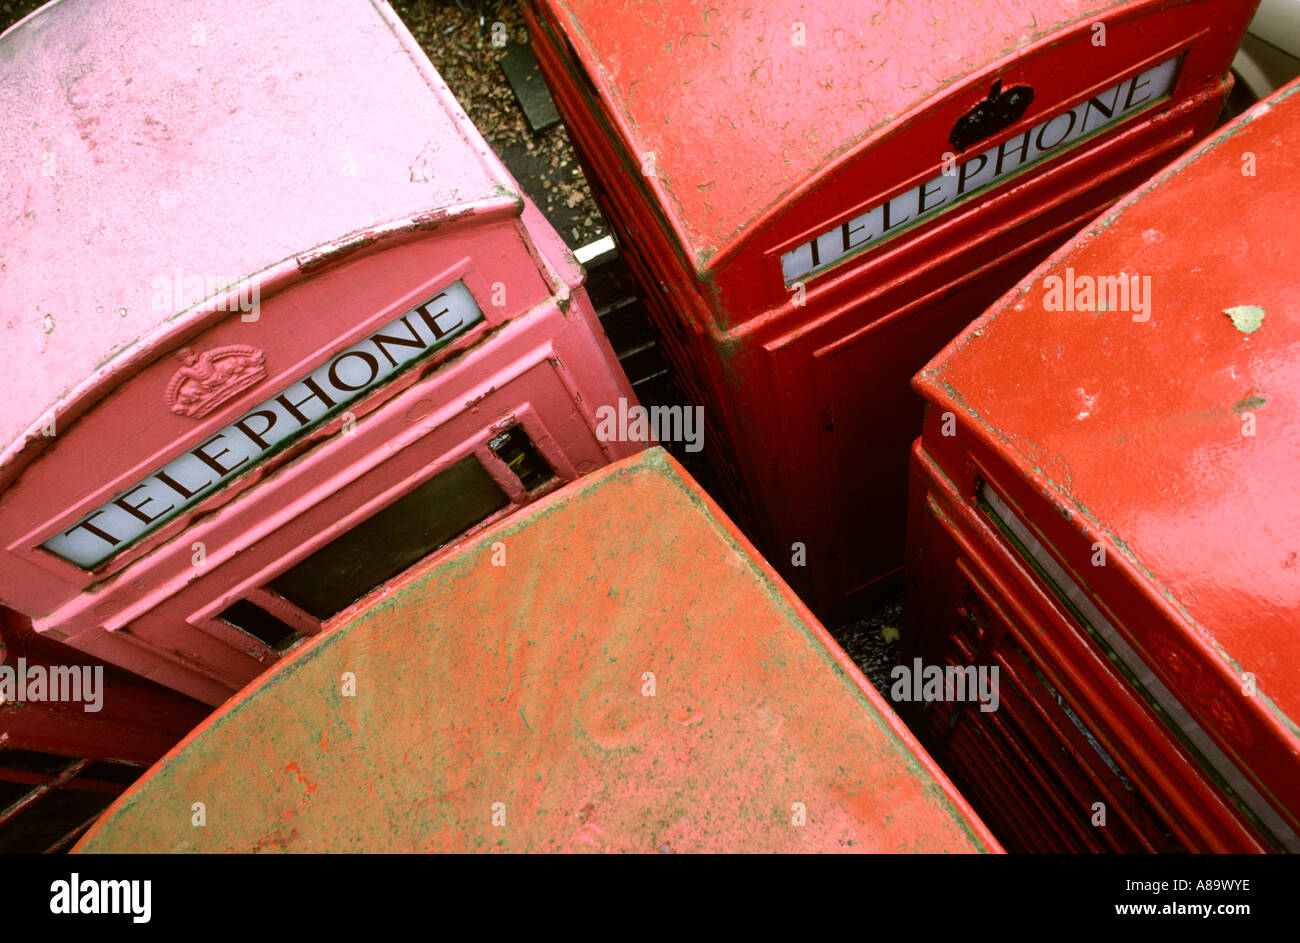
pixel 195 474
pixel 1046 139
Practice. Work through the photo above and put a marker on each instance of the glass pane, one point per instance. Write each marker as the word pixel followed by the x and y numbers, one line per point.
pixel 30 761
pixel 54 816
pixel 12 792
pixel 391 540
pixel 517 450
pixel 118 773
pixel 259 623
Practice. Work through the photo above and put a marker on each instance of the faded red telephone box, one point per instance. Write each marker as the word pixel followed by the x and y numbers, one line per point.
pixel 1106 505
pixel 279 325
pixel 815 198
pixel 676 698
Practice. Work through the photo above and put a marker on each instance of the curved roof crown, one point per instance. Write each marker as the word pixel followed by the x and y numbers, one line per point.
pixel 160 138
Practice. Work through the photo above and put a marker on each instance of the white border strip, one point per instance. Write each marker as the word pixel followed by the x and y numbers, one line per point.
pixel 594 250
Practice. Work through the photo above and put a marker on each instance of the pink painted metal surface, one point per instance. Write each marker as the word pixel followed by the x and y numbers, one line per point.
pixel 676 697
pixel 1162 434
pixel 224 139
pixel 805 377
pixel 327 168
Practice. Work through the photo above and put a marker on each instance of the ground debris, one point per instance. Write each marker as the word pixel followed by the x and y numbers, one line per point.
pixel 461 49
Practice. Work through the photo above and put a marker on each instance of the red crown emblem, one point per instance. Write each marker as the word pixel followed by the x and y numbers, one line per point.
pixel 211 378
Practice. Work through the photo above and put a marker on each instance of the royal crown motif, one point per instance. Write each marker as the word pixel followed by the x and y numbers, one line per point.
pixel 207 380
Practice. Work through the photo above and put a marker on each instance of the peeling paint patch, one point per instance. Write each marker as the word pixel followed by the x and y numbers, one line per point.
pixel 1246 318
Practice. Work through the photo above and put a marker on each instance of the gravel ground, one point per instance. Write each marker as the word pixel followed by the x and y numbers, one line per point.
pixel 11 13
pixel 872 643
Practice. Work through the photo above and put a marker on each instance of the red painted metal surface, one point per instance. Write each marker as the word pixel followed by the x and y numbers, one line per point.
pixel 721 138
pixel 328 169
pixel 674 697
pixel 1118 483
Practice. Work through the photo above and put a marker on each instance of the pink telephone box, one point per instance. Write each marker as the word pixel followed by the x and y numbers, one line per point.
pixel 278 325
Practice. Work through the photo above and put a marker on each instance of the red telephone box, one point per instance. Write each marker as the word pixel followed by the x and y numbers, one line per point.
pixel 815 199
pixel 676 698
pixel 279 325
pixel 1105 505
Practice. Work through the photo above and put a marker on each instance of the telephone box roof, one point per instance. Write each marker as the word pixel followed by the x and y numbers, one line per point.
pixel 1172 427
pixel 160 138
pixel 743 103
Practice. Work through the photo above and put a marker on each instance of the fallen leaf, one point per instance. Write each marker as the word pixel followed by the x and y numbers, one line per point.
pixel 1246 318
